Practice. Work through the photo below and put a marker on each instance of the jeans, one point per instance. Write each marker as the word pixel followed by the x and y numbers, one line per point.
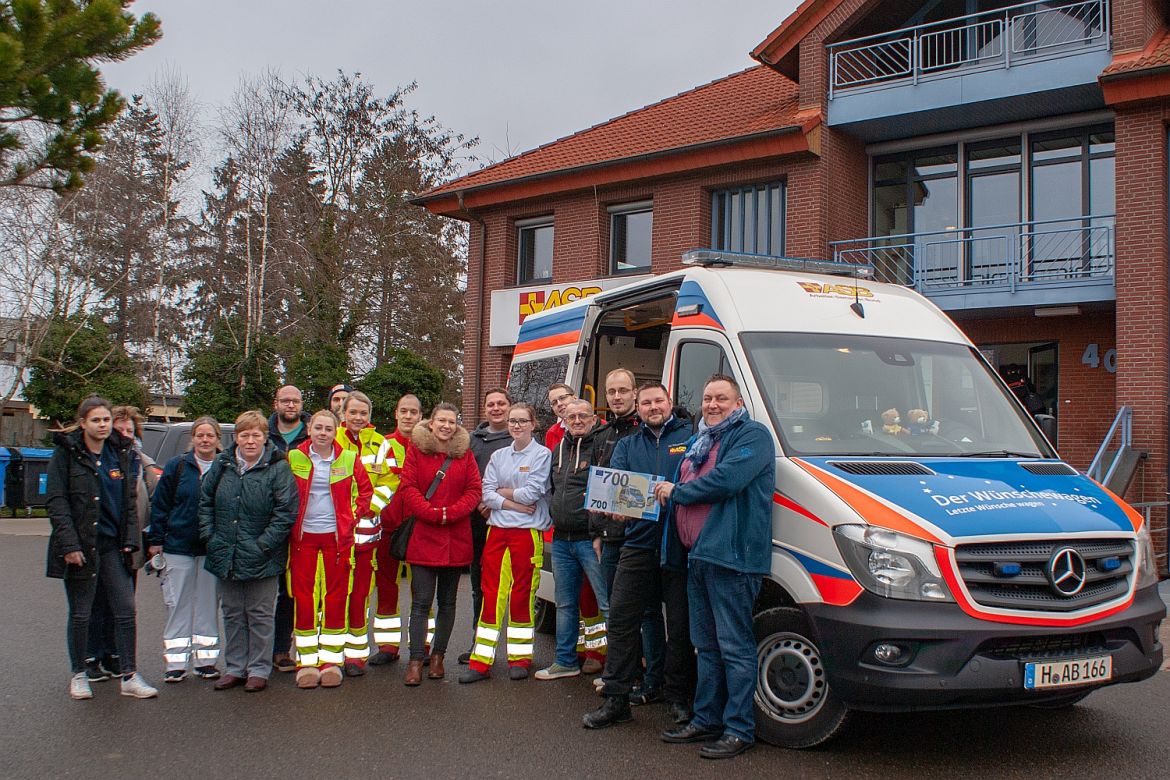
pixel 101 624
pixel 611 552
pixel 283 619
pixel 425 583
pixel 118 585
pixel 573 561
pixel 249 610
pixel 721 603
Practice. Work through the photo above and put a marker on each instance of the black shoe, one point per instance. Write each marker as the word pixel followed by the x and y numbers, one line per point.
pixel 112 663
pixel 354 668
pixel 690 733
pixel 381 658
pixel 517 672
pixel 680 712
pixel 94 671
pixel 642 695
pixel 206 672
pixel 726 746
pixel 465 658
pixel 471 676
pixel 615 710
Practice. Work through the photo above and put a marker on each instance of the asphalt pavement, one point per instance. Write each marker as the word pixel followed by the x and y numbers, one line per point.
pixel 373 726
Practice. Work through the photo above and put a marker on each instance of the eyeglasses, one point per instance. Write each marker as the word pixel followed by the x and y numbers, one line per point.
pixel 578 416
pixel 560 398
pixel 518 421
pixel 288 401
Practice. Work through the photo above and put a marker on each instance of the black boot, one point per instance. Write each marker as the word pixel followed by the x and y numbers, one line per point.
pixel 615 710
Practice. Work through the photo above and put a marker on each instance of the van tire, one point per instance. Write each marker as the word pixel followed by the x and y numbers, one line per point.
pixel 544 617
pixel 794 705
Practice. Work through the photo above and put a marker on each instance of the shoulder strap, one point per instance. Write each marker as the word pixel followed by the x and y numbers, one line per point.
pixel 442 472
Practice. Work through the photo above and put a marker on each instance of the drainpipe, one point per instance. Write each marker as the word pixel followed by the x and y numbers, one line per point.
pixel 479 304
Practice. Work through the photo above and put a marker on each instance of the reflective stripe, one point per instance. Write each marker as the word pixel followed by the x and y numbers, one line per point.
pixel 306 641
pixel 387 637
pixel 519 632
pixel 490 634
pixel 369 522
pixel 431 623
pixel 484 651
pixel 206 655
pixel 384 491
pixel 366 538
pixel 387 622
pixel 171 644
pixel 368 460
pixel 331 656
pixel 308 659
pixel 355 639
pixel 361 653
pixel 204 640
pixel 594 644
pixel 175 658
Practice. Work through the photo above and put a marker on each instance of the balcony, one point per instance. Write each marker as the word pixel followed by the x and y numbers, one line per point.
pixel 1025 264
pixel 1020 62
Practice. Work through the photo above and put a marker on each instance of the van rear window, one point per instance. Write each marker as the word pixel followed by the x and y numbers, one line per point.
pixel 529 381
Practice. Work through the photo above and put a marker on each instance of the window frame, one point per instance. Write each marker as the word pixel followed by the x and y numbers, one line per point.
pixel 729 203
pixel 625 210
pixel 533 224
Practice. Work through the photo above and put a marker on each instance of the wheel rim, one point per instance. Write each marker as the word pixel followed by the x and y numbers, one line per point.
pixel 791 684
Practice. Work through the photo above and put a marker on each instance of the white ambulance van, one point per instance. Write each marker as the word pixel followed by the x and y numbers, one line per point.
pixel 930 549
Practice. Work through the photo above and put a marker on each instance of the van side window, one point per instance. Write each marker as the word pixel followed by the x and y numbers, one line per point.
pixel 530 380
pixel 697 360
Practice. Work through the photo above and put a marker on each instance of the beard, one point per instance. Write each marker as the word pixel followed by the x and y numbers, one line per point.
pixel 290 416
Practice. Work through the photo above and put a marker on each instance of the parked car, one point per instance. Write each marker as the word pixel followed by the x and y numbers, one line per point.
pixel 163 441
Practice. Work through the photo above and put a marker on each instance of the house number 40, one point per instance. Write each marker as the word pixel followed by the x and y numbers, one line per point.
pixel 1093 358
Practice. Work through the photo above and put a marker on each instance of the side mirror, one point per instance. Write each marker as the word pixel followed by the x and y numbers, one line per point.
pixel 1047 424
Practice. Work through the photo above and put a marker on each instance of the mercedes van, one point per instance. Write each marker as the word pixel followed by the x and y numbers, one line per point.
pixel 930 549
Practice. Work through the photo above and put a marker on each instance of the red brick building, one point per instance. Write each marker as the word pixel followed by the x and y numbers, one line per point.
pixel 1009 161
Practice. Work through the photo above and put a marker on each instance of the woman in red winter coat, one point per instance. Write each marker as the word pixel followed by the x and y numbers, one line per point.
pixel 440 545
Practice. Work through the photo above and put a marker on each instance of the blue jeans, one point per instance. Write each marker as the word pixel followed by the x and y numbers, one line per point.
pixel 721 603
pixel 572 562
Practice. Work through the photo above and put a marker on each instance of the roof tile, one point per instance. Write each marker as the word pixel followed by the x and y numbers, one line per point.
pixel 1156 54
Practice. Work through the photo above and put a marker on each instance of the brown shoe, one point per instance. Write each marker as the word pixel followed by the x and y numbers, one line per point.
pixel 331 677
pixel 436 672
pixel 228 681
pixel 283 662
pixel 414 672
pixel 308 677
pixel 255 684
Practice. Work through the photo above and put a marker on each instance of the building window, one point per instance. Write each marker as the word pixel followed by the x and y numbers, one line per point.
pixel 749 219
pixel 630 229
pixel 535 242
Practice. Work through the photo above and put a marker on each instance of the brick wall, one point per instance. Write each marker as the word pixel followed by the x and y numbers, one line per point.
pixel 1087 396
pixel 1143 320
pixel 1135 22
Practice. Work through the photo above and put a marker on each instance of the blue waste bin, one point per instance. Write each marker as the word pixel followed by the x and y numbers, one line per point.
pixel 36 475
pixel 4 459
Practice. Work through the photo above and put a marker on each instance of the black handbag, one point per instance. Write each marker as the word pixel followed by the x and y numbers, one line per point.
pixel 400 539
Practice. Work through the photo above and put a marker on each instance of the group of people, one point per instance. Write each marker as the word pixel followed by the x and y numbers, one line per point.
pixel 305 520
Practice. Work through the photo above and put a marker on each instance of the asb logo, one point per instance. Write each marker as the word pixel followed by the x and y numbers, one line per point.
pixel 837 290
pixel 535 301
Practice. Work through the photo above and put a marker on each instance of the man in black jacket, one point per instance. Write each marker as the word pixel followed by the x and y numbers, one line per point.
pixel 489 436
pixel 608 534
pixel 573 557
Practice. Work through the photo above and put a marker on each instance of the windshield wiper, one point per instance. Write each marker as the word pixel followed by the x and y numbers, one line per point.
pixel 999 454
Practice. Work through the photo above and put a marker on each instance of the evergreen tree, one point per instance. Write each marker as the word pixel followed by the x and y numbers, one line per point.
pixel 402 372
pixel 223 380
pixel 78 359
pixel 54 102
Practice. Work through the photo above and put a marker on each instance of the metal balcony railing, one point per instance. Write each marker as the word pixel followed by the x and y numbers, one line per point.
pixel 1061 252
pixel 988 40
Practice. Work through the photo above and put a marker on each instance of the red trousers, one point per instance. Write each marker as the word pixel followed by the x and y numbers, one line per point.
pixel 510 567
pixel 318 581
pixel 375 570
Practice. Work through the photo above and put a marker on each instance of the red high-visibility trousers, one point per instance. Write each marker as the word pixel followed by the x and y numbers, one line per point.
pixel 511 563
pixel 591 636
pixel 318 581
pixel 376 571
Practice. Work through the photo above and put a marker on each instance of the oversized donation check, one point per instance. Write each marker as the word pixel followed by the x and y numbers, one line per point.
pixel 618 492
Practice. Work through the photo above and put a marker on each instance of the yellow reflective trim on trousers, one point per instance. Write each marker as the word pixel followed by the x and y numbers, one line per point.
pixel 388 638
pixel 331 656
pixel 484 631
pixel 307 659
pixel 520 633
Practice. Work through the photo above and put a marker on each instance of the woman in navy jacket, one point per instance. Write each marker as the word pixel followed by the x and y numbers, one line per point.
pixel 191 636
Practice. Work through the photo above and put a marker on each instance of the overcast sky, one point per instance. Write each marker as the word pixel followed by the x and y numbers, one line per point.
pixel 515 73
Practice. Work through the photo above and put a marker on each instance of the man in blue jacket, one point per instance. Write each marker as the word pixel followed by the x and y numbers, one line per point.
pixel 722 503
pixel 655 447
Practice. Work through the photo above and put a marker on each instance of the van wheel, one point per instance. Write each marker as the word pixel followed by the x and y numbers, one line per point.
pixel 794 706
pixel 1062 703
pixel 544 617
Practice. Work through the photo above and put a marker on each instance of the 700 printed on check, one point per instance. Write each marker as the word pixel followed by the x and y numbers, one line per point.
pixel 628 493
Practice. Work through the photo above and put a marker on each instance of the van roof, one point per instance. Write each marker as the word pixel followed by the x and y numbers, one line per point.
pixel 752 299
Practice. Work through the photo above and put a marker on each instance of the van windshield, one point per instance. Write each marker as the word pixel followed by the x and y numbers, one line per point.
pixel 869 395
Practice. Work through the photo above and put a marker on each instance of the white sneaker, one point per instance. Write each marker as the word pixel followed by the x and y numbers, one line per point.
pixel 79 687
pixel 555 671
pixel 137 687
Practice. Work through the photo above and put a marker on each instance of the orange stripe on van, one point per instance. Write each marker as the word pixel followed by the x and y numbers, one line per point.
pixel 699 320
pixel 867 506
pixel 547 342
pixel 1134 516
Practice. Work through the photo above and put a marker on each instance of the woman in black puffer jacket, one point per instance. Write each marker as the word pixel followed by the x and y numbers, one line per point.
pixel 92 496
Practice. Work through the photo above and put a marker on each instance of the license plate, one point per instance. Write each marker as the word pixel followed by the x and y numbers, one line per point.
pixel 1061 674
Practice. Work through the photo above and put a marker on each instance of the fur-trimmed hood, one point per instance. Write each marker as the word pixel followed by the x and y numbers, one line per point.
pixel 428 443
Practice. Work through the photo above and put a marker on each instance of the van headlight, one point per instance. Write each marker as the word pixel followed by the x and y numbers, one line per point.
pixel 1147 567
pixel 891 564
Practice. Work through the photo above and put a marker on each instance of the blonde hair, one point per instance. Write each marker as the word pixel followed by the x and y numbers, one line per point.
pixel 358 395
pixel 130 413
pixel 324 413
pixel 251 420
pixel 207 419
